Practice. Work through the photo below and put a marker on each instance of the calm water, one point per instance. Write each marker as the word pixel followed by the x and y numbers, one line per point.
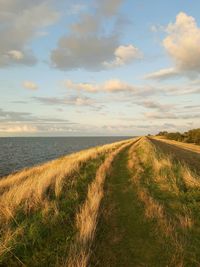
pixel 19 152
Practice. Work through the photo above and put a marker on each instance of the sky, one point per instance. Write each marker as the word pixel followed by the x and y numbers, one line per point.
pixel 99 67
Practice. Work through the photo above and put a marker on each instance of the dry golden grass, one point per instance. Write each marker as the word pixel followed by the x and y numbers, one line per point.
pixel 155 210
pixel 190 147
pixel 190 178
pixel 28 188
pixel 152 208
pixel 185 221
pixel 168 182
pixel 162 166
pixel 86 219
pixel 6 239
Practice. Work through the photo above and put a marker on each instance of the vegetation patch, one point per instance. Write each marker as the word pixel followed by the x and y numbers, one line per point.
pixel 172 184
pixel 46 234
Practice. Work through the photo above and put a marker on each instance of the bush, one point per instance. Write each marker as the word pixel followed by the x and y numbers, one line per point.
pixel 175 136
pixel 192 136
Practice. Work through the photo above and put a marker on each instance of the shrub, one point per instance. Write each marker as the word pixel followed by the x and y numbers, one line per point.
pixel 192 136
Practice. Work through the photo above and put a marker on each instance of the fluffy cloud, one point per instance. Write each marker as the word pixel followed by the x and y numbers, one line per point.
pixel 91 44
pixel 30 85
pixel 124 55
pixel 108 86
pixel 182 44
pixel 16 55
pixel 20 20
pixel 87 52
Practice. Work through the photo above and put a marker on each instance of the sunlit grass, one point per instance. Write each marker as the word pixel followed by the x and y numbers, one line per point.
pixel 191 147
pixel 38 205
pixel 86 219
pixel 50 213
pixel 169 191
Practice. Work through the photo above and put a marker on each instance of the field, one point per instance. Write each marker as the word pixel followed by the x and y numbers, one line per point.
pixel 130 203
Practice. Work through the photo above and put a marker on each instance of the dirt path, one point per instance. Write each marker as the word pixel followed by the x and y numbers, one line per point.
pixel 189 157
pixel 124 236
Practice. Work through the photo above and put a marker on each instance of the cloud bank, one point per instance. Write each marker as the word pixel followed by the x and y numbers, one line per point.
pixel 19 22
pixel 91 44
pixel 182 45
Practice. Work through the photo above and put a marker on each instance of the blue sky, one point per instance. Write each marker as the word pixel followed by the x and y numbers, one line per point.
pixel 98 67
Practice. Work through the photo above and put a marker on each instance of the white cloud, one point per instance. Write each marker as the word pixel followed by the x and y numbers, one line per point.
pixel 182 44
pixel 89 52
pixel 89 87
pixel 15 54
pixel 162 74
pixel 114 85
pixel 72 100
pixel 90 44
pixel 18 129
pixel 124 55
pixel 22 123
pixel 117 86
pixel 20 20
pixel 30 85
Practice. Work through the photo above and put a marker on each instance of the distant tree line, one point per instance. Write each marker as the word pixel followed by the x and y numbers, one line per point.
pixel 192 136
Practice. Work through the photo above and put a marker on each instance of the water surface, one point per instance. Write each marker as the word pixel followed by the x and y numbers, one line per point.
pixel 19 152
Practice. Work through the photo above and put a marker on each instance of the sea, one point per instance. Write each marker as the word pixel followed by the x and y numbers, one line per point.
pixel 17 153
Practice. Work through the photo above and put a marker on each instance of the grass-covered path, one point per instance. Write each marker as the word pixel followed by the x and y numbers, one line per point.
pixel 128 204
pixel 191 158
pixel 124 236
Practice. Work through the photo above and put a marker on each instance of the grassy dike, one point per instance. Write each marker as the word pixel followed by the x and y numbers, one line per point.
pixel 125 204
pixel 124 236
pixel 170 193
pixel 150 212
pixel 38 208
pixel 46 235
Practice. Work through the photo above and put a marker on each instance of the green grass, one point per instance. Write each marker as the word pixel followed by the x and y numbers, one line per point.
pixel 186 201
pixel 124 236
pixel 45 238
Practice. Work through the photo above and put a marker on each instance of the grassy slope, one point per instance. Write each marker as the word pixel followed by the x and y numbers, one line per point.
pixel 38 208
pixel 190 157
pixel 46 238
pixel 124 236
pixel 188 146
pixel 149 215
pixel 180 202
pixel 152 221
